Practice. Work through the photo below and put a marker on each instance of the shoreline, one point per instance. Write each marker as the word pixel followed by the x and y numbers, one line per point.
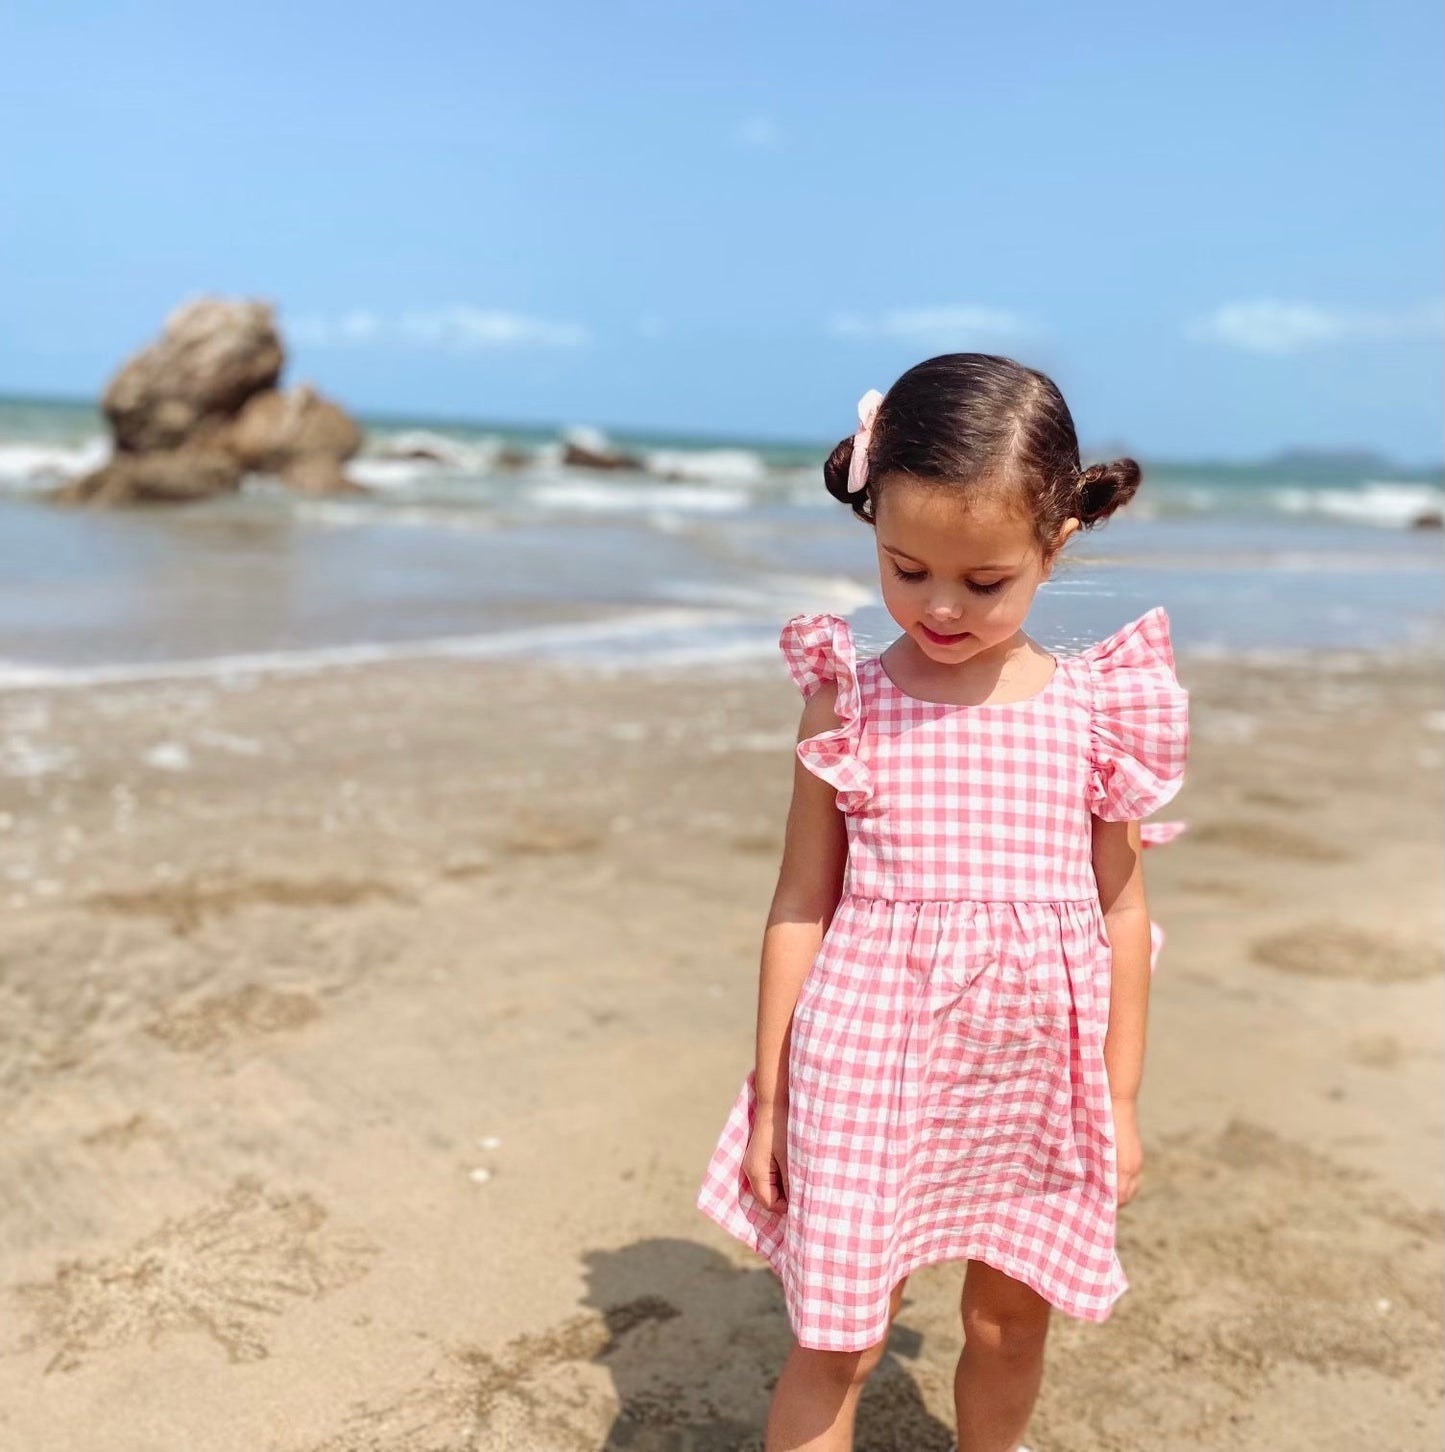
pixel 754 654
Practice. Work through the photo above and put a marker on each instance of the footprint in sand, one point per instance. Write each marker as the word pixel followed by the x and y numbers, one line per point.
pixel 227 1271
pixel 1268 797
pixel 119 1134
pixel 1336 950
pixel 1218 887
pixel 247 1012
pixel 531 837
pixel 1267 839
pixel 511 1399
pixel 1376 1051
pixel 1259 1260
pixel 188 904
pixel 325 892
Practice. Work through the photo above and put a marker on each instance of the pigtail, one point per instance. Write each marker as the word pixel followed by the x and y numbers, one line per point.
pixel 835 480
pixel 1103 488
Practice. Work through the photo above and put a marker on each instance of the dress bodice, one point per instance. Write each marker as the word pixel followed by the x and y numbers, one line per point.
pixel 992 802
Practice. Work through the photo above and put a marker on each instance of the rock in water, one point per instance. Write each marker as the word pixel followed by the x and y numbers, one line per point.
pixel 319 474
pixel 585 448
pixel 193 411
pixel 300 436
pixel 173 477
pixel 211 358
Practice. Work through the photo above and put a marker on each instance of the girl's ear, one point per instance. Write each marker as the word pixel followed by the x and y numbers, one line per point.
pixel 1065 530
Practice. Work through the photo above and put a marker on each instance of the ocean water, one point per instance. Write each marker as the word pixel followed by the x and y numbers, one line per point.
pixel 479 541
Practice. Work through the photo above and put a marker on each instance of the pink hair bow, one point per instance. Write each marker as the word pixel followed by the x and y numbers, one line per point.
pixel 858 465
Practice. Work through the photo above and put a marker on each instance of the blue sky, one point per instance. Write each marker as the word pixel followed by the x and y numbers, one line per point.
pixel 1219 227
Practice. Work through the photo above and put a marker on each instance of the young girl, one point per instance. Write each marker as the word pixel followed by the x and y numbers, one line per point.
pixel 956 964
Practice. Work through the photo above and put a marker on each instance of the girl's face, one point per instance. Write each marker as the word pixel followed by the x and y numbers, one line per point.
pixel 958 578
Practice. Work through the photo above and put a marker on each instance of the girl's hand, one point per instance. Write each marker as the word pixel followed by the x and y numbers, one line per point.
pixel 1129 1148
pixel 765 1161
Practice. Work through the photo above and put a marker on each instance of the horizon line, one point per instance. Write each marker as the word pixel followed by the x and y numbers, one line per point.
pixel 388 417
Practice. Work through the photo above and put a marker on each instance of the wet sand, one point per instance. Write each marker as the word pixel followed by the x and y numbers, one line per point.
pixel 366 1035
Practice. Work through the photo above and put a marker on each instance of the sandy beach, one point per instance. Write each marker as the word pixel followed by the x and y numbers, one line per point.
pixel 366 1034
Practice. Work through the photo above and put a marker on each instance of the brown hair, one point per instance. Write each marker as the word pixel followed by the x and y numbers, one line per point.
pixel 976 421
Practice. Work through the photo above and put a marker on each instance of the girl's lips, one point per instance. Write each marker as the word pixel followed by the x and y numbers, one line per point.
pixel 933 635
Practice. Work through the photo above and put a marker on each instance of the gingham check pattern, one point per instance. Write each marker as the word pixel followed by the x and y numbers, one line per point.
pixel 948 1098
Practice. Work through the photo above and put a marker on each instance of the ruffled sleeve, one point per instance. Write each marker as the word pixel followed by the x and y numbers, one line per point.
pixel 819 649
pixel 1156 834
pixel 1139 731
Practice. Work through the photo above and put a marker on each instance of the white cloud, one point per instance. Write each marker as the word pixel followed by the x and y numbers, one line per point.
pixel 938 326
pixel 468 328
pixel 1270 326
pixel 758 133
pixel 357 326
pixel 850 325
pixel 460 328
pixel 313 331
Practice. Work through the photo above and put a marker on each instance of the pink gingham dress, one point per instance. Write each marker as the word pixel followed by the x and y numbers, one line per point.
pixel 948 1097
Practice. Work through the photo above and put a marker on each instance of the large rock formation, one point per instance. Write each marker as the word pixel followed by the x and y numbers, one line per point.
pixel 192 412
pixel 300 436
pixel 178 392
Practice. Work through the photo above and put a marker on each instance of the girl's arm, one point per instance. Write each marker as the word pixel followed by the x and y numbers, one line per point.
pixel 810 882
pixel 1119 871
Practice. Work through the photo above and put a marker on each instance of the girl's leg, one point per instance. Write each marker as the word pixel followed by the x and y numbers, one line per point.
pixel 1005 1324
pixel 815 1402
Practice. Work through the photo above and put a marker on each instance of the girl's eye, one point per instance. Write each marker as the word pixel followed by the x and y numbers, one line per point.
pixel 912 576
